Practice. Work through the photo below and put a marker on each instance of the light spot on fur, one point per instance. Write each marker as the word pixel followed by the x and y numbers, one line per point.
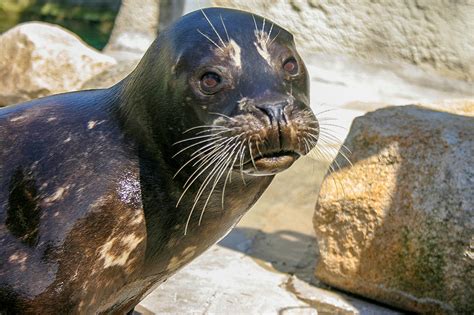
pixel 125 247
pixel 67 140
pixel 51 119
pixel 231 52
pixel 138 218
pixel 234 53
pixel 262 46
pixel 57 195
pixel 93 123
pixel 18 118
pixel 18 259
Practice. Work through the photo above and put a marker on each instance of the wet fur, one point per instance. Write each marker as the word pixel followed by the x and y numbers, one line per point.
pixel 89 215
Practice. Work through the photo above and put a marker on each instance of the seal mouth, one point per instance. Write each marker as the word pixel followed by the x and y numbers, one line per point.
pixel 270 163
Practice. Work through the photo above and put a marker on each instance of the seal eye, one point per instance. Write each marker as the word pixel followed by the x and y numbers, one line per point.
pixel 209 82
pixel 291 66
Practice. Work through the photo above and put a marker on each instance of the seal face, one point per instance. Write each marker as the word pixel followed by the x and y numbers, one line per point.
pixel 104 194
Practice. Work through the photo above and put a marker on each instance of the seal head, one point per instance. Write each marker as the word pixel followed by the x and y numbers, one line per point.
pixel 234 84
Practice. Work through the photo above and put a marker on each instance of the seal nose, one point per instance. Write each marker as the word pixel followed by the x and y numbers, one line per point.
pixel 274 111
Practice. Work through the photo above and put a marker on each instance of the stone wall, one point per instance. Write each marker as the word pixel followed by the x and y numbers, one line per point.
pixel 430 33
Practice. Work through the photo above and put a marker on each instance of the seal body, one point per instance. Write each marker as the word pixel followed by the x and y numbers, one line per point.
pixel 104 194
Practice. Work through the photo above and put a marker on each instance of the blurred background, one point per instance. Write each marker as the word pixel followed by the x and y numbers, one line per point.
pixel 362 56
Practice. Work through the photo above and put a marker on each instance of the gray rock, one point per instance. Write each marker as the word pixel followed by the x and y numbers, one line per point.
pixel 39 59
pixel 398 225
pixel 136 26
pixel 111 75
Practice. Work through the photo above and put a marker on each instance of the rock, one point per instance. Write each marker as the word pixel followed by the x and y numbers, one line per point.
pixel 40 59
pixel 417 32
pixel 398 225
pixel 222 281
pixel 135 27
pixel 111 75
pixel 327 302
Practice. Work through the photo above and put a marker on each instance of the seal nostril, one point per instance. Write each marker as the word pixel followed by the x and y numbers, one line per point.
pixel 273 111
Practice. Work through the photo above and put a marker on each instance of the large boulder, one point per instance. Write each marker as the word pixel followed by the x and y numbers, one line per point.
pixel 398 225
pixel 39 59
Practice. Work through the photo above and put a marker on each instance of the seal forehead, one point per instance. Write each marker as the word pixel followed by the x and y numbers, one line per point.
pixel 261 44
pixel 232 52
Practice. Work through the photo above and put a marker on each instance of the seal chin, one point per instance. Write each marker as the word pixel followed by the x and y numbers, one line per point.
pixel 270 164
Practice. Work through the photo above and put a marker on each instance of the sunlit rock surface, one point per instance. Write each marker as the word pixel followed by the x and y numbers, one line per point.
pixel 398 225
pixel 39 59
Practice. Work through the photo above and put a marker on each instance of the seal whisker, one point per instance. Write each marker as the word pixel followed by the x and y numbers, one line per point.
pixel 326 138
pixel 309 148
pixel 324 156
pixel 251 154
pixel 209 151
pixel 206 36
pixel 200 170
pixel 229 173
pixel 223 115
pixel 219 159
pixel 216 144
pixel 219 147
pixel 338 152
pixel 258 147
pixel 200 137
pixel 225 28
pixel 218 176
pixel 269 34
pixel 198 143
pixel 242 154
pixel 322 124
pixel 212 26
pixel 255 22
pixel 210 127
pixel 325 111
pixel 218 163
pixel 209 157
pixel 274 38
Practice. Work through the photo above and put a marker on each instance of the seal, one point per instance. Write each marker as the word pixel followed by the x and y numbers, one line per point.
pixel 106 193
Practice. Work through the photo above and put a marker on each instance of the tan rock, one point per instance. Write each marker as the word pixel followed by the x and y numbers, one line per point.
pixel 39 59
pixel 398 226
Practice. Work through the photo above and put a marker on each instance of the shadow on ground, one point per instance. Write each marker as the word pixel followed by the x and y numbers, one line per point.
pixel 286 251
